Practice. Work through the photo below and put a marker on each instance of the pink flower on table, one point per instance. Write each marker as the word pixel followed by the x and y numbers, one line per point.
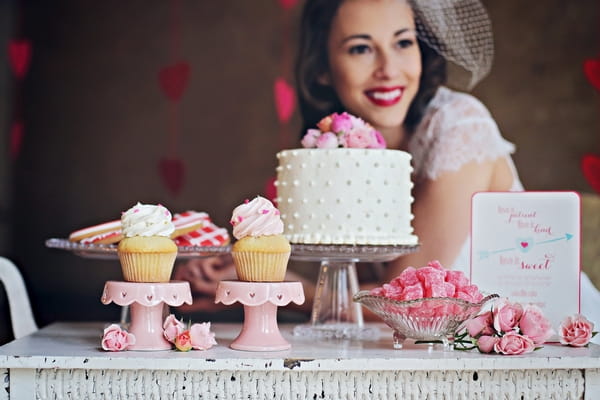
pixel 534 325
pixel 486 343
pixel 172 328
pixel 327 140
pixel 201 336
pixel 506 315
pixel 341 123
pixel 116 339
pixel 576 331
pixel 513 343
pixel 480 325
pixel 310 139
pixel 183 341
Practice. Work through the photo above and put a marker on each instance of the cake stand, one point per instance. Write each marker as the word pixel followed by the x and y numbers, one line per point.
pixel 147 302
pixel 260 299
pixel 334 314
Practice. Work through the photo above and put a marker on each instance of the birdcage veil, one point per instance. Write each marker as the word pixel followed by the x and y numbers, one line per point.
pixel 461 32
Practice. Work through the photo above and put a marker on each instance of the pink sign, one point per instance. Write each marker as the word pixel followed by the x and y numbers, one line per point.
pixel 526 246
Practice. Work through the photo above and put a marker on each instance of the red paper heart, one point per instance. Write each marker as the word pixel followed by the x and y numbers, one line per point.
pixel 287 4
pixel 285 100
pixel 590 165
pixel 19 54
pixel 173 79
pixel 16 139
pixel 591 68
pixel 172 171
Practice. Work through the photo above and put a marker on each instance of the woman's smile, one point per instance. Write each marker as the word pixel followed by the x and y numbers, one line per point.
pixel 385 96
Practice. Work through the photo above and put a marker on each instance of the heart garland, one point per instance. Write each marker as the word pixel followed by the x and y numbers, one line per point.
pixel 590 165
pixel 285 100
pixel 591 68
pixel 173 79
pixel 19 56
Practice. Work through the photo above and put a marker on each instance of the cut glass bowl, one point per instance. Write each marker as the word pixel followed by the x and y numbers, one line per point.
pixel 431 319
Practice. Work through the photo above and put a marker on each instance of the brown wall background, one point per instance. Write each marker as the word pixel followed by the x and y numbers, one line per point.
pixel 97 123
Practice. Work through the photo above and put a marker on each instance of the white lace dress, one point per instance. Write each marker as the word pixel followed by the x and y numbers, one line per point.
pixel 456 129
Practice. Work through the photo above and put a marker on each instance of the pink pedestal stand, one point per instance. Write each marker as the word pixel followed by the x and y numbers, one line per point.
pixel 260 299
pixel 146 300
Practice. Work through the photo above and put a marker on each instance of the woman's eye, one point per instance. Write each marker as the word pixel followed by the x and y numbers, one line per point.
pixel 404 43
pixel 359 49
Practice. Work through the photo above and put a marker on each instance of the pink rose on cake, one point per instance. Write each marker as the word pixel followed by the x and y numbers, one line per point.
pixel 343 130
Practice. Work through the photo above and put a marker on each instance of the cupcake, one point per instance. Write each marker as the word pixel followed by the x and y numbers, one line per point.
pixel 147 253
pixel 261 252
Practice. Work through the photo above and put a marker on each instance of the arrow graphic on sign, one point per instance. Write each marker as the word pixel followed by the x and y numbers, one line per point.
pixel 523 245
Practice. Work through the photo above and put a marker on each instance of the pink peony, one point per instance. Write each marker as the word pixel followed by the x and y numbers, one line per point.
pixel 341 123
pixel 201 336
pixel 506 315
pixel 172 328
pixel 534 325
pixel 576 331
pixel 486 343
pixel 513 343
pixel 324 124
pixel 327 140
pixel 358 139
pixel 310 139
pixel 183 341
pixel 480 325
pixel 116 339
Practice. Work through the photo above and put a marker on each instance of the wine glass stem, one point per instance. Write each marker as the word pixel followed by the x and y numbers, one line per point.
pixel 333 304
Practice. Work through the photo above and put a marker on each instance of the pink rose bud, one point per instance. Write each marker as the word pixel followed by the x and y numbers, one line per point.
pixel 309 140
pixel 506 315
pixel 513 343
pixel 172 328
pixel 201 336
pixel 183 341
pixel 576 331
pixel 324 125
pixel 534 325
pixel 327 140
pixel 116 339
pixel 341 123
pixel 480 325
pixel 486 344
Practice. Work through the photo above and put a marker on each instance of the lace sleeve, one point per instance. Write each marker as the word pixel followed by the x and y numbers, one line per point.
pixel 458 132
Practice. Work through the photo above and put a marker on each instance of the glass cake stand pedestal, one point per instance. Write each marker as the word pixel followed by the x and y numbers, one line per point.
pixel 334 314
pixel 147 302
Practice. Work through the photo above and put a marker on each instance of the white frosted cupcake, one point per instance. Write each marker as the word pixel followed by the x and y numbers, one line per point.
pixel 261 252
pixel 147 253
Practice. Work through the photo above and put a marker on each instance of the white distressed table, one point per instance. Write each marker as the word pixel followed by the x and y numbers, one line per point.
pixel 65 361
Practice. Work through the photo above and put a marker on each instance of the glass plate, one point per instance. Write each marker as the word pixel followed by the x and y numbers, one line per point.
pixel 352 253
pixel 109 251
pixel 426 319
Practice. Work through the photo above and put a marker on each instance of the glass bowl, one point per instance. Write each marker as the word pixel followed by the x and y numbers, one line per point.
pixel 431 319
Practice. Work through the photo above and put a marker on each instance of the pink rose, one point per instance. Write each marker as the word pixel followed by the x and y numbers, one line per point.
pixel 116 339
pixel 327 140
pixel 183 341
pixel 341 123
pixel 357 139
pixel 172 328
pixel 513 343
pixel 310 138
pixel 201 336
pixel 506 315
pixel 324 124
pixel 534 325
pixel 486 344
pixel 480 325
pixel 576 331
pixel 379 142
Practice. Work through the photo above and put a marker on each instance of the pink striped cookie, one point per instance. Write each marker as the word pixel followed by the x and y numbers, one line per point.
pixel 208 235
pixel 105 233
pixel 188 221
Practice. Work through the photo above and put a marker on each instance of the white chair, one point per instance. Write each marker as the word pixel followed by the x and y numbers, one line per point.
pixel 21 315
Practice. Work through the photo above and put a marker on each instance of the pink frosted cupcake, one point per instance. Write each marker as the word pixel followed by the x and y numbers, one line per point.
pixel 261 252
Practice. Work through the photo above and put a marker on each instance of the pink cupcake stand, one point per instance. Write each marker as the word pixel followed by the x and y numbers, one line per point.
pixel 147 302
pixel 260 299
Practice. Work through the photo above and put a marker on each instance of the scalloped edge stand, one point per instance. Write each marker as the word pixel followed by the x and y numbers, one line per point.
pixel 260 331
pixel 147 304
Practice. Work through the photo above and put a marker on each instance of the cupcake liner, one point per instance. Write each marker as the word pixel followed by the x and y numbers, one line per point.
pixel 147 267
pixel 254 266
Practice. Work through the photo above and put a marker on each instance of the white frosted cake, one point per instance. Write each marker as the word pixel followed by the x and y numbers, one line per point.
pixel 347 196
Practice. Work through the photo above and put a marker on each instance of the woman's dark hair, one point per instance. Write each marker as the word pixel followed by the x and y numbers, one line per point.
pixel 317 100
